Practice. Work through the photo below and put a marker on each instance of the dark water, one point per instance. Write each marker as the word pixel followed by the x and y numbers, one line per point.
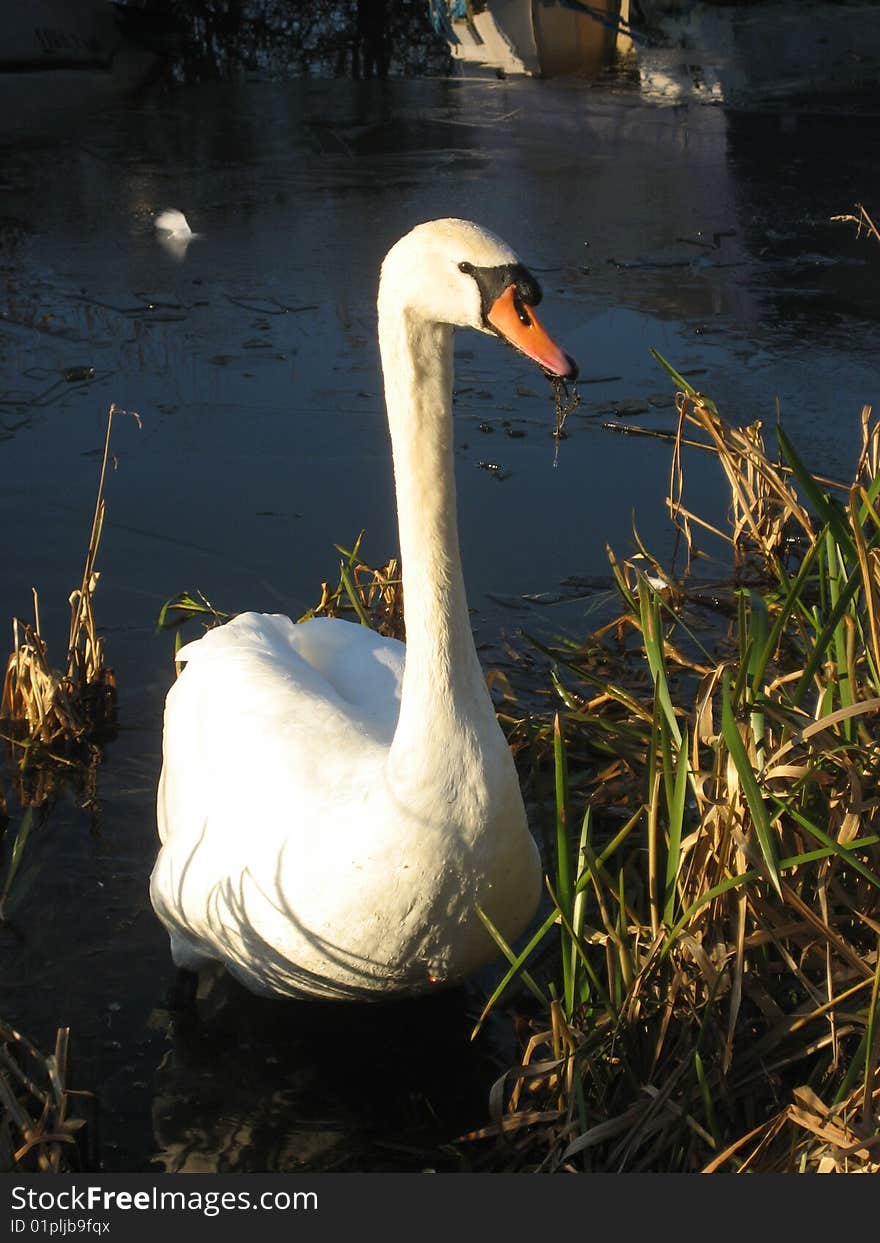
pixel 254 368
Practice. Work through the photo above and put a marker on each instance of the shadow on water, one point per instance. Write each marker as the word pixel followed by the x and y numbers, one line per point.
pixel 254 368
pixel 288 1086
pixel 789 167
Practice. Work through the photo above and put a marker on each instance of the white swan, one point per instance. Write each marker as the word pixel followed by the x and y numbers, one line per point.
pixel 175 235
pixel 332 804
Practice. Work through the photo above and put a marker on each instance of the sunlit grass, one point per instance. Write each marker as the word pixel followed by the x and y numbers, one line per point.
pixel 50 708
pixel 366 594
pixel 53 720
pixel 709 971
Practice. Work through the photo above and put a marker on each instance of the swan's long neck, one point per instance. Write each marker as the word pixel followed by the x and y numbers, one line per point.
pixel 444 702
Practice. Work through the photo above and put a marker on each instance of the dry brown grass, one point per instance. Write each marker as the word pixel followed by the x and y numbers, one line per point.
pixel 710 970
pixel 374 596
pixel 37 1132
pixel 62 709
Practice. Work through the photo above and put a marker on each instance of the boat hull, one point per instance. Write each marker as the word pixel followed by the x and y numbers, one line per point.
pixel 61 58
pixel 541 39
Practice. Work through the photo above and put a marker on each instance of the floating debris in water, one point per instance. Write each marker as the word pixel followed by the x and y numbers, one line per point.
pixel 862 221
pixel 629 409
pixel 566 400
pixel 496 471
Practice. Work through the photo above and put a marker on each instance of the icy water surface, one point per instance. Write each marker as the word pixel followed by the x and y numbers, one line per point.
pixel 254 368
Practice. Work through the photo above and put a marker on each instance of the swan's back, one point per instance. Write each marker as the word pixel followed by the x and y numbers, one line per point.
pixel 288 708
pixel 348 674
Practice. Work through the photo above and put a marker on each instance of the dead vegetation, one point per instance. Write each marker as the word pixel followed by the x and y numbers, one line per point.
pixel 53 720
pixel 865 226
pixel 38 1132
pixel 58 711
pixel 369 595
pixel 374 596
pixel 706 978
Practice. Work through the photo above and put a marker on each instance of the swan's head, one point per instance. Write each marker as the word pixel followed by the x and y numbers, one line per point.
pixel 455 272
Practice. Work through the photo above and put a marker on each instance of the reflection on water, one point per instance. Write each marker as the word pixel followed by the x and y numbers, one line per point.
pixel 254 367
pixel 260 1086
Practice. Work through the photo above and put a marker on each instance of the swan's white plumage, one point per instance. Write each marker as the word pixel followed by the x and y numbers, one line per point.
pixel 174 233
pixel 173 221
pixel 334 806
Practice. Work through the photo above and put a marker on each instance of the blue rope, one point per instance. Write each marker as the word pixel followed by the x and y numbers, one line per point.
pixel 441 14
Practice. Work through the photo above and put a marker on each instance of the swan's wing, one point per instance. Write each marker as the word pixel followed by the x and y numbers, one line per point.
pixel 173 221
pixel 343 672
pixel 271 721
pixel 174 233
pixel 274 746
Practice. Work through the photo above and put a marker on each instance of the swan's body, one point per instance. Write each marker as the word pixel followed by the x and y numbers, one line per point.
pixel 174 233
pixel 333 805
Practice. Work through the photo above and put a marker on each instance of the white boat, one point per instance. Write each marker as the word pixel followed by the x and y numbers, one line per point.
pixel 544 38
pixel 59 57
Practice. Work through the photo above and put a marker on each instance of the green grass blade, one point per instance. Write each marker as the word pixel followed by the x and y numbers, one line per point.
pixel 821 643
pixel 682 383
pixel 652 632
pixel 577 946
pixel 354 596
pixel 563 861
pixel 754 798
pixel 829 511
pixel 871 1043
pixel 15 856
pixel 516 960
pixel 676 824
pixel 706 1094
pixel 761 659
pixel 579 909
pixel 844 853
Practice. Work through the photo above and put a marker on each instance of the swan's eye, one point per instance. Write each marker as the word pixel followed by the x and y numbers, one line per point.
pixel 522 313
pixel 468 268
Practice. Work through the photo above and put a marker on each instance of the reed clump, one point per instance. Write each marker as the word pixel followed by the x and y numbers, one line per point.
pixel 374 596
pixel 52 720
pixel 706 979
pixel 38 1131
pixel 58 710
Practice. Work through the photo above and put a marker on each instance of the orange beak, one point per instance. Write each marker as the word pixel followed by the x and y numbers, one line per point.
pixel 518 324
